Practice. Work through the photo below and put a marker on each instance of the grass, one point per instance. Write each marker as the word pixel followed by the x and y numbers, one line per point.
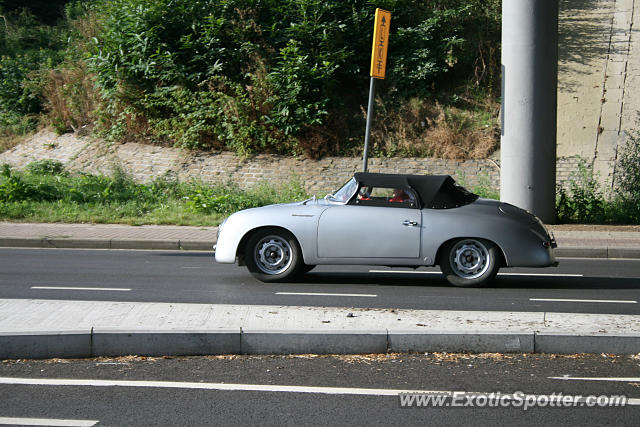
pixel 8 140
pixel 45 192
pixel 171 213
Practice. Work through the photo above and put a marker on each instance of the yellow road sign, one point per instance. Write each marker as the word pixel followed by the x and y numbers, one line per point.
pixel 380 44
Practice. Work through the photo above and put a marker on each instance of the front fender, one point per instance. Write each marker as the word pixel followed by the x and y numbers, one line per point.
pixel 298 219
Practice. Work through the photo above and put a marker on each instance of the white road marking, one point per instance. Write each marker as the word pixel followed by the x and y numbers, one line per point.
pixel 615 379
pixel 71 288
pixel 499 274
pixel 611 301
pixel 45 422
pixel 189 267
pixel 405 271
pixel 208 386
pixel 239 387
pixel 318 294
pixel 597 259
pixel 542 274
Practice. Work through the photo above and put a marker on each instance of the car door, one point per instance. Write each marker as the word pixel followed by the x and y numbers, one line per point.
pixel 374 227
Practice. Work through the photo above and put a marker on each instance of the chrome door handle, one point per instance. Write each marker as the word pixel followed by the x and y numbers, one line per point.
pixel 408 223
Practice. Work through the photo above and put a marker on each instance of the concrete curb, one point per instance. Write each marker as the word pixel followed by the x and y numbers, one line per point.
pixel 107 342
pixel 599 252
pixel 97 342
pixel 582 252
pixel 476 342
pixel 315 342
pixel 96 243
pixel 77 243
pixel 550 342
pixel 145 244
pixel 45 344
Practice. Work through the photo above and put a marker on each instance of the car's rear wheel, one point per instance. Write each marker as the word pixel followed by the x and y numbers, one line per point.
pixel 469 262
pixel 273 255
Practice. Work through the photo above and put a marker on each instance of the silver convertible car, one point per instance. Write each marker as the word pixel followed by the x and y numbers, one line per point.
pixel 391 220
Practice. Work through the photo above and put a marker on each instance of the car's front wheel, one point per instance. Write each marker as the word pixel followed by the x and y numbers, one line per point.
pixel 306 268
pixel 469 262
pixel 273 255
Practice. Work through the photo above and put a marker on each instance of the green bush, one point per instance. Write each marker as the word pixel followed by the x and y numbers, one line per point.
pixel 583 201
pixel 46 167
pixel 12 188
pixel 280 76
pixel 628 168
pixel 15 187
pixel 255 76
pixel 627 178
pixel 26 46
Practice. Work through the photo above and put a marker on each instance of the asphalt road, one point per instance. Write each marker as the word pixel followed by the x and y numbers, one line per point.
pixel 588 285
pixel 158 400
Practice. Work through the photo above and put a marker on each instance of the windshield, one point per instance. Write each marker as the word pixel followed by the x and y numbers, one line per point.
pixel 344 194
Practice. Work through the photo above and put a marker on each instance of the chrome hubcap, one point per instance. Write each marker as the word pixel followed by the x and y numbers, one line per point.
pixel 470 259
pixel 273 255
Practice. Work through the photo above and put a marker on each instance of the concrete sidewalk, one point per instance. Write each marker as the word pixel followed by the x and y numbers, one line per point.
pixel 94 328
pixel 106 236
pixel 591 244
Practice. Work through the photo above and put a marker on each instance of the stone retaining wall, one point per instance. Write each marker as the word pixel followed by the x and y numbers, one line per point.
pixel 147 162
pixel 598 77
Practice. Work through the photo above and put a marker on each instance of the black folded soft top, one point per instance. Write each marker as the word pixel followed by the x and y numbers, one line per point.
pixel 435 191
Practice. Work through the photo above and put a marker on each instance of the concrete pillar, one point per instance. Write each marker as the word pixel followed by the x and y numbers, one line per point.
pixel 529 86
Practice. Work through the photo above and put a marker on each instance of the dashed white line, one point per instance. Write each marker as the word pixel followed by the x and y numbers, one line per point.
pixel 46 422
pixel 611 301
pixel 206 386
pixel 404 271
pixel 499 274
pixel 542 274
pixel 614 379
pixel 71 288
pixel 318 294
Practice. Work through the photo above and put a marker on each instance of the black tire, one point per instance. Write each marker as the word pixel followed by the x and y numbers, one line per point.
pixel 306 268
pixel 273 255
pixel 469 263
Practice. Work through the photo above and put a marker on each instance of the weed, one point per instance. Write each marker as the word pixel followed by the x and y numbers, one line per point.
pixel 425 127
pixel 583 201
pixel 45 192
pixel 627 178
pixel 70 96
pixel 46 167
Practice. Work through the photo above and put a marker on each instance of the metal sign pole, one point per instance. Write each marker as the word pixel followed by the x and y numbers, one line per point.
pixel 378 69
pixel 365 156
